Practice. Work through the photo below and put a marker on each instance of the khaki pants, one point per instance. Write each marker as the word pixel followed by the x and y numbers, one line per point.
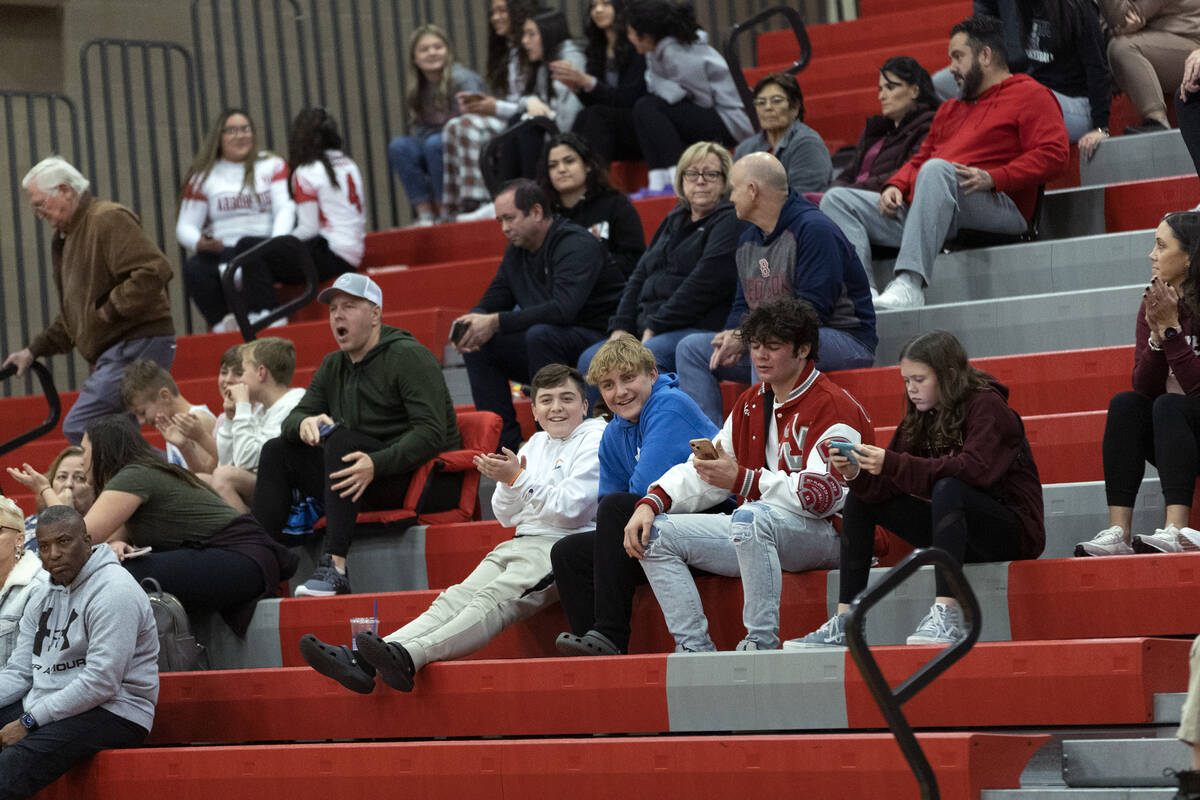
pixel 1148 64
pixel 1189 723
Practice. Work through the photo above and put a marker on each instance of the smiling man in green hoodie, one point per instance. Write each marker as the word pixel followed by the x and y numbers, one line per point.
pixel 376 410
pixel 84 674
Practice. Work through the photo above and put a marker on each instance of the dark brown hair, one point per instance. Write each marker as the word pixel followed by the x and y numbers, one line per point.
pixel 940 428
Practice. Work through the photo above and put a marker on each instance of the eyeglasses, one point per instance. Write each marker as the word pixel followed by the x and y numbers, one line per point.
pixel 710 175
pixel 234 130
pixel 773 100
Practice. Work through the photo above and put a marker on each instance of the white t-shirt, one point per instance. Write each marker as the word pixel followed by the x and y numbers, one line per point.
pixel 233 210
pixel 335 212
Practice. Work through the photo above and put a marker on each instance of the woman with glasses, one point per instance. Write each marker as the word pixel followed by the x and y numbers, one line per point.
pixel 234 196
pixel 779 104
pixel 1159 420
pixel 684 282
pixel 690 94
pixel 20 573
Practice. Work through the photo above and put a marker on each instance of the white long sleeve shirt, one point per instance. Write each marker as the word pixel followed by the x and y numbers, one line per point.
pixel 557 493
pixel 240 440
pixel 232 210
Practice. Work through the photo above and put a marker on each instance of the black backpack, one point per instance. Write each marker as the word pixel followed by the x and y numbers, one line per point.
pixel 178 650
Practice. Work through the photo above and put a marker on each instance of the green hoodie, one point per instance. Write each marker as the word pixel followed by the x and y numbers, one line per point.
pixel 395 394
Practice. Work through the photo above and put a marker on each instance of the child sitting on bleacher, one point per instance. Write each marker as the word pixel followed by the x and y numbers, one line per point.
pixel 957 475
pixel 546 492
pixel 1159 421
pixel 261 400
pixel 150 394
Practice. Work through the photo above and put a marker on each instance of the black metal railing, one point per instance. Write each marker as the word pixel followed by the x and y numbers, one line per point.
pixel 732 50
pixel 53 410
pixel 890 700
pixel 236 300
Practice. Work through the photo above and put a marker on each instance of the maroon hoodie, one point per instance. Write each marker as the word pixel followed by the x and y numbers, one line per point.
pixel 994 457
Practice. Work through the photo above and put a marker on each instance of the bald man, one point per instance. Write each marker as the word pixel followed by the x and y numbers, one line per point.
pixel 789 249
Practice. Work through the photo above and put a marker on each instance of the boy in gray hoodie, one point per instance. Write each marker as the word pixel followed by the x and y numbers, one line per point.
pixel 84 674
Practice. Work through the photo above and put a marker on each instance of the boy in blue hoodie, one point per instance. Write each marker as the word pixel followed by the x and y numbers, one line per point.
pixel 652 425
pixel 84 674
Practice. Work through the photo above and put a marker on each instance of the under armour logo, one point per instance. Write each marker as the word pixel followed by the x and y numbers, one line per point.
pixel 58 635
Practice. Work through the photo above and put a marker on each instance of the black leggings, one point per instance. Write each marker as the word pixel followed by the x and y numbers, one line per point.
pixel 971 525
pixel 211 578
pixel 610 132
pixel 202 276
pixel 596 578
pixel 1188 114
pixel 1165 431
pixel 664 130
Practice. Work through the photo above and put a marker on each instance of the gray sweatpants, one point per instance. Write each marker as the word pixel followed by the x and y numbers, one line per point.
pixel 937 212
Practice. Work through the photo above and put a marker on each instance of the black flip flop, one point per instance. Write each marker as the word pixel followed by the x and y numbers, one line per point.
pixel 392 661
pixel 338 663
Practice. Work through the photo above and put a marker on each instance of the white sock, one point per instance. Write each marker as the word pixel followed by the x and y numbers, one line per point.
pixel 661 178
pixel 425 216
pixel 910 278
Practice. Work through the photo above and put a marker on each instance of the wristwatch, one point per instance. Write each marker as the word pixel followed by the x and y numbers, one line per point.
pixel 29 722
pixel 1170 333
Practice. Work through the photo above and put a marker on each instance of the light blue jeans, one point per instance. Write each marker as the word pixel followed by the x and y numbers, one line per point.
pixel 837 350
pixel 757 541
pixel 418 164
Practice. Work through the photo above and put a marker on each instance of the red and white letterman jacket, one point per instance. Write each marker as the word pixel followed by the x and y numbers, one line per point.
pixel 790 469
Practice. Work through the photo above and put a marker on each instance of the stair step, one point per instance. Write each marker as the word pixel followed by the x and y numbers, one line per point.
pixel 1123 762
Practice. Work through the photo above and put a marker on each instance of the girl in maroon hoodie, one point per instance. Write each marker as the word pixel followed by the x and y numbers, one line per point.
pixel 958 474
pixel 1159 421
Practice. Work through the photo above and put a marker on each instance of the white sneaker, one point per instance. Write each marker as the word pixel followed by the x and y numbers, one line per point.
pixel 485 211
pixel 228 323
pixel 905 291
pixel 1108 542
pixel 255 316
pixel 942 625
pixel 1168 540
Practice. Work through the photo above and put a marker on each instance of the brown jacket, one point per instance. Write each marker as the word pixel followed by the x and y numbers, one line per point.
pixel 1180 17
pixel 104 264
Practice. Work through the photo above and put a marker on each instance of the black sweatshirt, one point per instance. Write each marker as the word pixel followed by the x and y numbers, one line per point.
pixel 609 215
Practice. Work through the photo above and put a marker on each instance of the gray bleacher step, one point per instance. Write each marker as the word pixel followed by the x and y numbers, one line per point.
pixel 1042 267
pixel 1029 324
pixel 1132 158
pixel 1168 707
pixel 458 385
pixel 1122 762
pixel 1076 512
pixel 1072 793
pixel 384 558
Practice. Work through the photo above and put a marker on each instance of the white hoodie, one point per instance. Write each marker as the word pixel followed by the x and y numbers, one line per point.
pixel 240 440
pixel 557 493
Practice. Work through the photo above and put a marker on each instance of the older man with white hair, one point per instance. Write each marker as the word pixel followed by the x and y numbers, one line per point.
pixel 112 287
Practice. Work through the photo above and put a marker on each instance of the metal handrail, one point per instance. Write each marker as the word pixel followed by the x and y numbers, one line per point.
pixel 889 700
pixel 795 20
pixel 236 301
pixel 55 406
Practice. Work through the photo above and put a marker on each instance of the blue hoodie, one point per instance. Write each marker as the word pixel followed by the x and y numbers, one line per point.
pixel 634 455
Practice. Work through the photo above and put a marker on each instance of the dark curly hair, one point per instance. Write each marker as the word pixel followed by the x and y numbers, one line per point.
pixel 313 132
pixel 116 443
pixel 659 19
pixel 939 429
pixel 788 319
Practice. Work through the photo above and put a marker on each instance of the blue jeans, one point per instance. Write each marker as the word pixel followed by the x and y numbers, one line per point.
pixel 418 164
pixel 100 394
pixel 663 346
pixel 837 350
pixel 757 541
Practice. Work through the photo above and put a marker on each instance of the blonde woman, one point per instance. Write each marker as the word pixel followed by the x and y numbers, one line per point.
pixel 20 573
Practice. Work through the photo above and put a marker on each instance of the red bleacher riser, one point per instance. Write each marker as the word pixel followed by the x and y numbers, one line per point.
pixel 1086 597
pixel 848 70
pixel 831 767
pixel 628 176
pixel 1092 682
pixel 876 8
pixel 1140 205
pixel 994 685
pixel 866 33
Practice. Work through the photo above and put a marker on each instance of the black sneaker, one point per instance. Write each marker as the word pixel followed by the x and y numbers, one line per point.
pixel 326 580
pixel 394 664
pixel 339 663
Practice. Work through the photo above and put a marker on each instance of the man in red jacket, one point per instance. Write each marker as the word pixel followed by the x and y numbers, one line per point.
pixel 978 168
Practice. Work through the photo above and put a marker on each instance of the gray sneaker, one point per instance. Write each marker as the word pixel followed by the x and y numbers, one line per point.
pixel 1168 540
pixel 1108 542
pixel 326 581
pixel 746 645
pixel 942 625
pixel 831 634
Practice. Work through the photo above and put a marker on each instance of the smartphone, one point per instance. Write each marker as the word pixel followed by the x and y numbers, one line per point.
pixel 326 428
pixel 458 330
pixel 704 450
pixel 846 450
pixel 137 552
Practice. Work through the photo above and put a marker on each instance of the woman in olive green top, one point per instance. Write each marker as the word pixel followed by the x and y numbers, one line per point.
pixel 203 551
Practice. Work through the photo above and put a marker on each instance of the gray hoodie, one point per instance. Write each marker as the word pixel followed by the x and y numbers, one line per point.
pixel 92 643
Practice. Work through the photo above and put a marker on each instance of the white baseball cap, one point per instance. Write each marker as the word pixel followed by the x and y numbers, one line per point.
pixel 356 284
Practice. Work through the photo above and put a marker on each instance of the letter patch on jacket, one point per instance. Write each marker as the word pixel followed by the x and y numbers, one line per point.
pixel 818 493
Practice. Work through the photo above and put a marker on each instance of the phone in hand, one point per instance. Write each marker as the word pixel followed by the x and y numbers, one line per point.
pixel 704 450
pixel 326 428
pixel 459 329
pixel 137 552
pixel 845 450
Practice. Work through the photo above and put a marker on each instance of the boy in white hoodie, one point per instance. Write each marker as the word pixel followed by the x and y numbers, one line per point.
pixel 547 491
pixel 84 674
pixel 261 399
